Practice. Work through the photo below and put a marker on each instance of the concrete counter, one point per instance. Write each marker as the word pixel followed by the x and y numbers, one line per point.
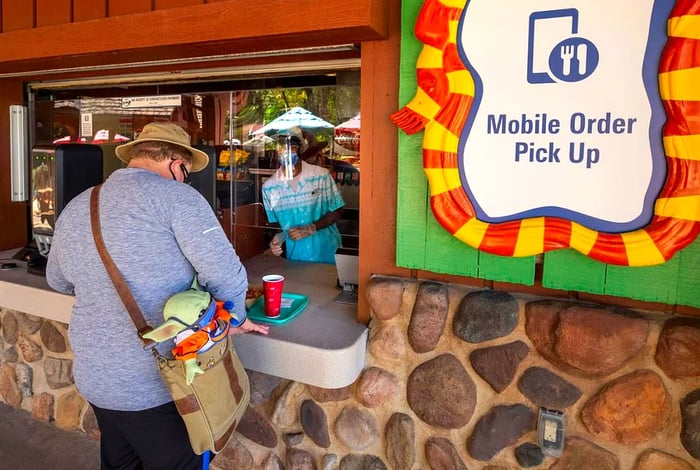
pixel 324 346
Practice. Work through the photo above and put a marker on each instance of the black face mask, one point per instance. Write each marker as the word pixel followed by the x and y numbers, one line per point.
pixel 186 178
pixel 186 174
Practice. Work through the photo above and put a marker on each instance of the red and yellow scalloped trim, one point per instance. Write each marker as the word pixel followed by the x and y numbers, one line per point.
pixel 441 106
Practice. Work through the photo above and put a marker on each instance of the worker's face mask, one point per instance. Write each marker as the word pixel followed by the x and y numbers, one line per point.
pixel 287 156
pixel 288 159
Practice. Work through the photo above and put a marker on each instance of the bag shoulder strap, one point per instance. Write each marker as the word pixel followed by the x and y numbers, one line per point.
pixel 114 274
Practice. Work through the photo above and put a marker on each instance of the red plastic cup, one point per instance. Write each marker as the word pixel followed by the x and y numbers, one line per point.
pixel 272 291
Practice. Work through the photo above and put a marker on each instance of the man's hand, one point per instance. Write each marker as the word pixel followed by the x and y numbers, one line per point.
pixel 301 231
pixel 249 327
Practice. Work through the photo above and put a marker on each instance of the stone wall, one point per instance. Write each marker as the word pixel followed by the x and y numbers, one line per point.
pixel 36 372
pixel 454 380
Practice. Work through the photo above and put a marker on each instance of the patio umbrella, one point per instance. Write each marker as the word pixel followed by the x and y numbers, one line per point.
pixel 62 140
pixel 295 117
pixel 349 126
pixel 101 137
pixel 347 134
pixel 260 141
pixel 343 151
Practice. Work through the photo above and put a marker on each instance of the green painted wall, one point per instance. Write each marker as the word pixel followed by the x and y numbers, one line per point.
pixel 421 243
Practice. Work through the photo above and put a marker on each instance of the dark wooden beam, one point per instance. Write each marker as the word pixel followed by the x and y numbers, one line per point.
pixel 235 26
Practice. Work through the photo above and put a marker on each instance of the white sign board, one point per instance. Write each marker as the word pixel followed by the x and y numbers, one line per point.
pixel 542 140
pixel 85 124
pixel 161 101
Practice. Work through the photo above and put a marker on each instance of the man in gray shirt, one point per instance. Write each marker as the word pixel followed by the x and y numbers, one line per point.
pixel 160 234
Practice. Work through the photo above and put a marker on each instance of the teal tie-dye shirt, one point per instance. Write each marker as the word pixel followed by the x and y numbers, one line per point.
pixel 302 201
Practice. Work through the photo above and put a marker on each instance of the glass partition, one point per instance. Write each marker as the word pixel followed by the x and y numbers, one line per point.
pixel 248 156
pixel 238 127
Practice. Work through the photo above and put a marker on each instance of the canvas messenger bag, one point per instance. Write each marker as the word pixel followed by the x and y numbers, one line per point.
pixel 213 404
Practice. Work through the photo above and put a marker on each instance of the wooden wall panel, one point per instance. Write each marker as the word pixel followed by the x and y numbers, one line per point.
pixel 194 30
pixel 379 98
pixel 127 7
pixel 13 215
pixel 53 12
pixel 17 15
pixel 84 10
pixel 163 4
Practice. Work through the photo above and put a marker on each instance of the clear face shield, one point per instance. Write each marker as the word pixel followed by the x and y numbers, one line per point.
pixel 287 155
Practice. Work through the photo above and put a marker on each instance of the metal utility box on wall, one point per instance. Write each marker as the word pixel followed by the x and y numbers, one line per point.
pixel 18 153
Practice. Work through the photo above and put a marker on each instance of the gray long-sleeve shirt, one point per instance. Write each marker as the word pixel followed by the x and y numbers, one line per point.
pixel 159 233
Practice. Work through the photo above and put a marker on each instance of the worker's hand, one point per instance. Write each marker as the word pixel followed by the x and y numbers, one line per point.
pixel 249 326
pixel 276 244
pixel 301 231
pixel 275 248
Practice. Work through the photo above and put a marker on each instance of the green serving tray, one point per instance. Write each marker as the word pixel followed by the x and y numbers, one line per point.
pixel 256 311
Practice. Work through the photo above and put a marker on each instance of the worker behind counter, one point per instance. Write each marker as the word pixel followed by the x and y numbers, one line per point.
pixel 304 200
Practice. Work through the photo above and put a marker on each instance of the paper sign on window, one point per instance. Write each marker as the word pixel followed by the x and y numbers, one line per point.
pixel 564 124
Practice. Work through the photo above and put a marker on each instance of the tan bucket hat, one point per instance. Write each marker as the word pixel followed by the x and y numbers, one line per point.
pixel 166 132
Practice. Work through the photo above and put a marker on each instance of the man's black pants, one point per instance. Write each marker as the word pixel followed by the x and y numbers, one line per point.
pixel 155 439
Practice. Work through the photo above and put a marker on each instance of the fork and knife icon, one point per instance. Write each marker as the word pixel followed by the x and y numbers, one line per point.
pixel 568 53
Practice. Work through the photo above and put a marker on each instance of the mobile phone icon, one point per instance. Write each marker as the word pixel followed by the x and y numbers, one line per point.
pixel 546 30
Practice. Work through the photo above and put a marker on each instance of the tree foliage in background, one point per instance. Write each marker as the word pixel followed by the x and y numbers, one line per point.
pixel 266 105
